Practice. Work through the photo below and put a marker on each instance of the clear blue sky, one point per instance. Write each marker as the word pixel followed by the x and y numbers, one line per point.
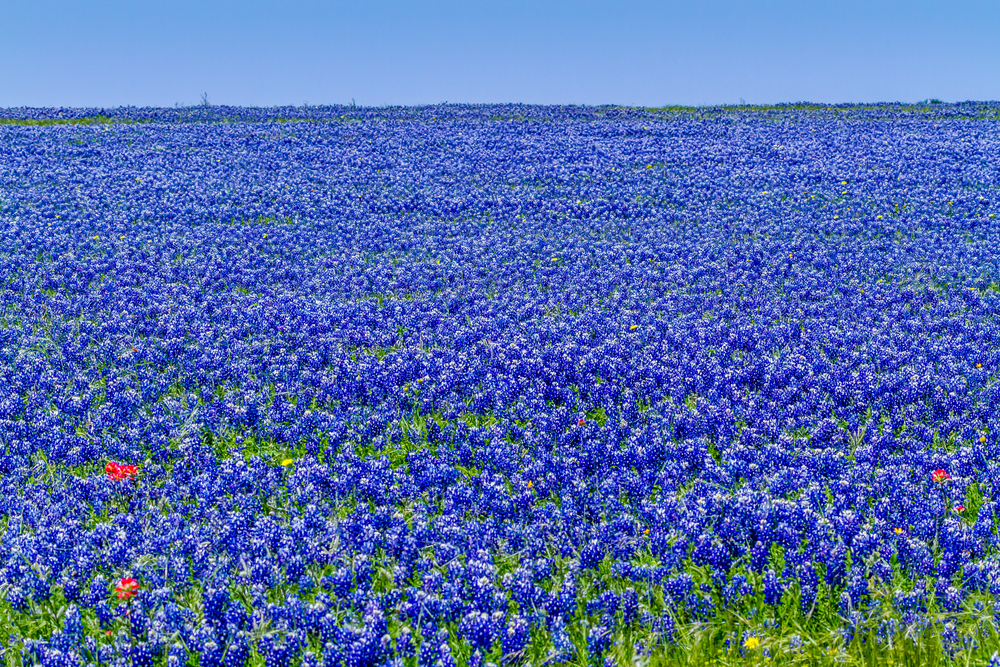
pixel 378 52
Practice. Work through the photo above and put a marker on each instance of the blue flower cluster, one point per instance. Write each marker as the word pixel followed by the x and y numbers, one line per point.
pixel 445 385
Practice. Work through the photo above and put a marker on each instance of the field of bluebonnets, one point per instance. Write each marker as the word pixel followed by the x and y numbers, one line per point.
pixel 461 385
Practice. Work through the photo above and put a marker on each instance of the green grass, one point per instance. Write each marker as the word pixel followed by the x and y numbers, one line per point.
pixel 85 120
pixel 259 220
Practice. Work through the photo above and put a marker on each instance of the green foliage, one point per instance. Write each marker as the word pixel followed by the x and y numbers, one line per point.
pixel 261 220
pixel 86 120
pixel 598 415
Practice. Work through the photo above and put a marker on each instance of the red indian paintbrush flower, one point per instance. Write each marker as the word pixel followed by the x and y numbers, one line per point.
pixel 940 475
pixel 119 471
pixel 126 588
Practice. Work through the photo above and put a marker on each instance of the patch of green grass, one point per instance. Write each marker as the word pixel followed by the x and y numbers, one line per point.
pixel 85 120
pixel 599 415
pixel 473 420
pixel 259 221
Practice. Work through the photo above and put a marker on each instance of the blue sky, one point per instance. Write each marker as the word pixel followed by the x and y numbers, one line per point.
pixel 378 52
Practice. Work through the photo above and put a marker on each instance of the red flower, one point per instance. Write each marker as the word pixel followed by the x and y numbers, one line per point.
pixel 580 421
pixel 126 588
pixel 118 471
pixel 959 509
pixel 940 475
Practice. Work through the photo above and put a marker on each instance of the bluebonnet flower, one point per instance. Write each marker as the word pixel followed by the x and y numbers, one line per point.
pixel 210 655
pixel 143 654
pixel 482 629
pixel 279 653
pixel 516 636
pixel 773 589
pixel 562 645
pixel 237 651
pixel 598 642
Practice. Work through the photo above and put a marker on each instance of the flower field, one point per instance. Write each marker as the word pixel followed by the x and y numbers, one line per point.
pixel 461 385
